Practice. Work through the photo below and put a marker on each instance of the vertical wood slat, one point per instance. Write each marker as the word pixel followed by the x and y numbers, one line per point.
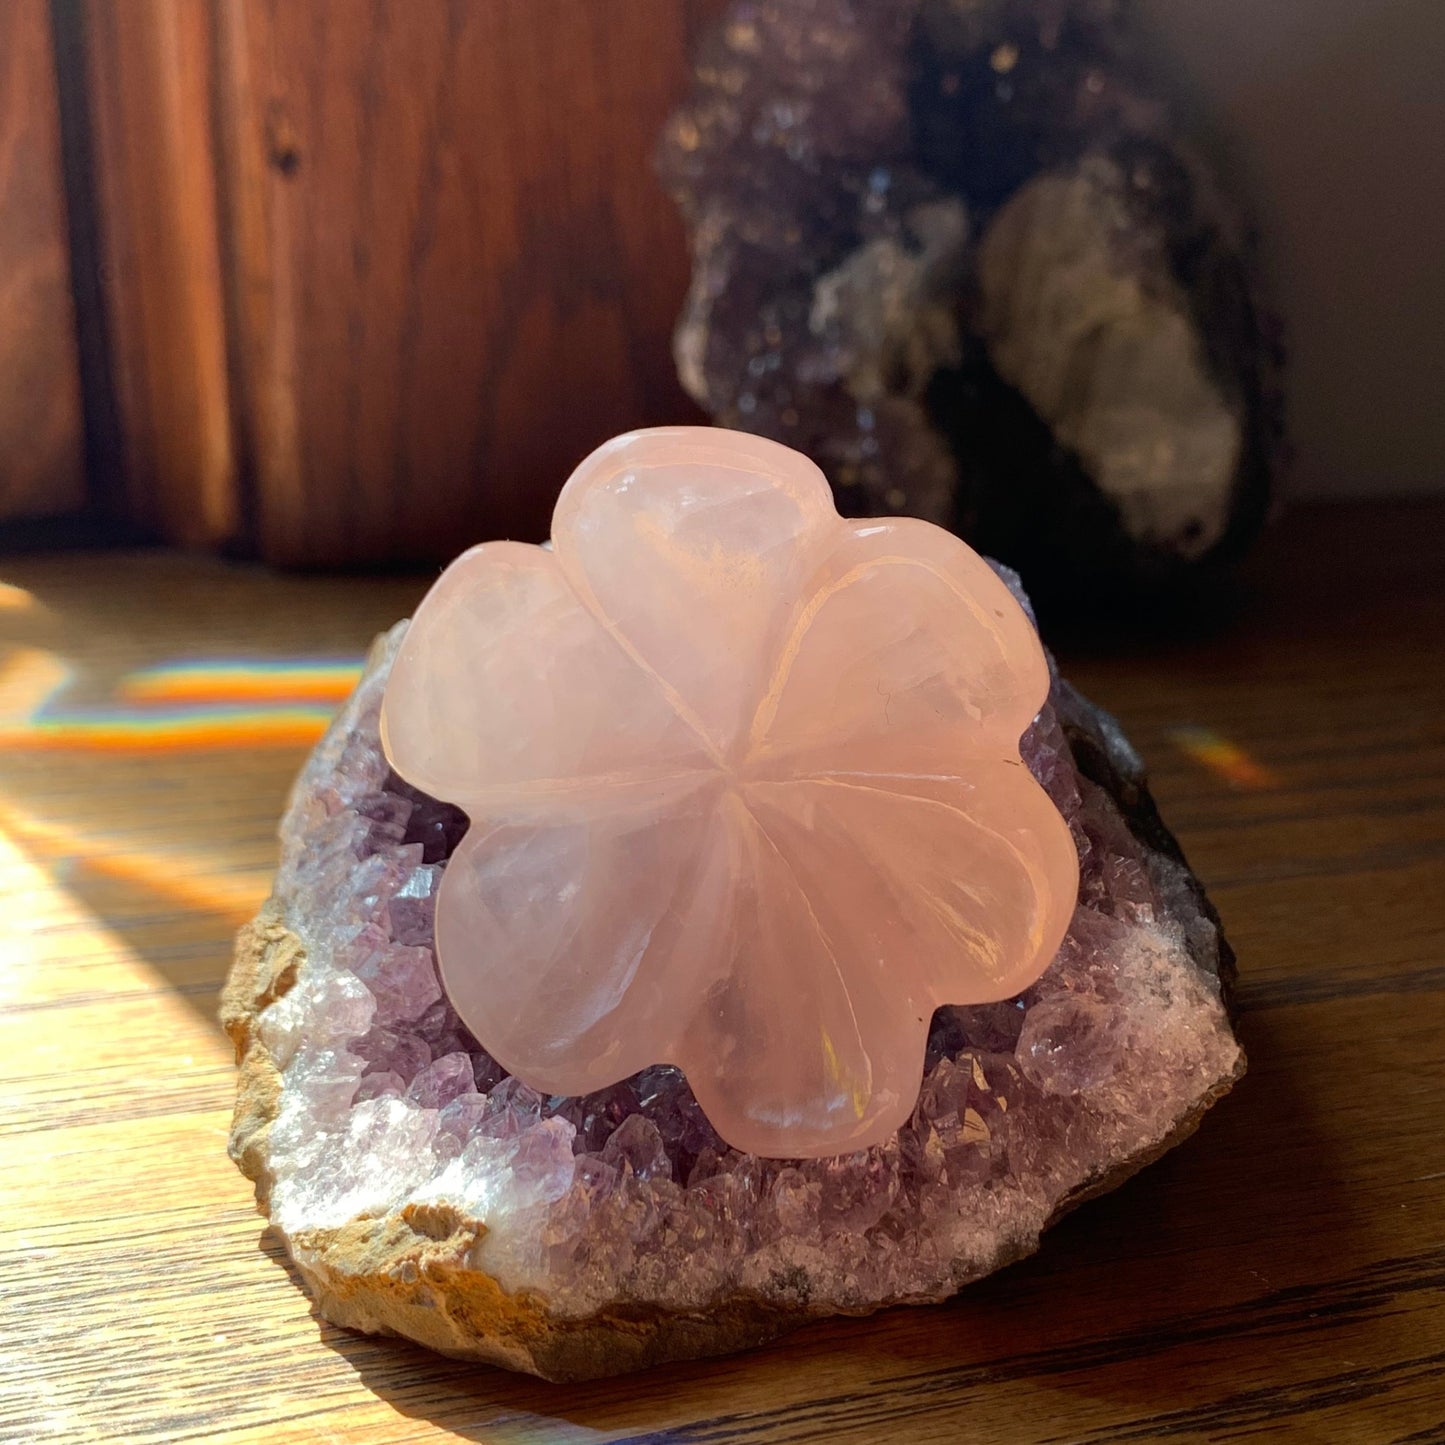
pixel 42 471
pixel 377 275
pixel 454 270
pixel 151 75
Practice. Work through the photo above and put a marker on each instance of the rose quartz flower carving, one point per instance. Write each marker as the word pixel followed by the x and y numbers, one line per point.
pixel 744 788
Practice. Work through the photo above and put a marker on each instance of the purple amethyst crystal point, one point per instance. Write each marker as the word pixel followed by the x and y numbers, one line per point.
pixel 964 256
pixel 421 1190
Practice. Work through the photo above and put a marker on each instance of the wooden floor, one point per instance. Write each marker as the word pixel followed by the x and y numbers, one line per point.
pixel 1281 1277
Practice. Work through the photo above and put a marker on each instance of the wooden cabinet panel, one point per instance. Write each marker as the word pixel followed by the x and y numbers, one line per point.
pixel 454 270
pixel 151 82
pixel 41 439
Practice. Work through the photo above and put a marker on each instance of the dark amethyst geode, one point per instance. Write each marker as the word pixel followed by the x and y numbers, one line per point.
pixel 420 1190
pixel 962 253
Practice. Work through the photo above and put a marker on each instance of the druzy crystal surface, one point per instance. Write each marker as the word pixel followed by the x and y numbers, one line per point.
pixel 966 254
pixel 744 787
pixel 627 1198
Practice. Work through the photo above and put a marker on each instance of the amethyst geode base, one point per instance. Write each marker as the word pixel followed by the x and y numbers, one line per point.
pixel 422 1191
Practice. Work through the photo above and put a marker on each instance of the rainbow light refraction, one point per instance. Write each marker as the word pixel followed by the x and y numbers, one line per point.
pixel 1224 758
pixel 229 683
pixel 195 704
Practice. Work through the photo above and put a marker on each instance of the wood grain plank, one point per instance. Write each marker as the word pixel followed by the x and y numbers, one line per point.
pixel 1281 1277
pixel 455 270
pixel 152 76
pixel 42 466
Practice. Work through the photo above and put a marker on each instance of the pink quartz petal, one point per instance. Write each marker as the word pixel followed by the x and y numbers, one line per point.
pixel 949 886
pixel 575 944
pixel 807 1045
pixel 693 544
pixel 906 654
pixel 507 690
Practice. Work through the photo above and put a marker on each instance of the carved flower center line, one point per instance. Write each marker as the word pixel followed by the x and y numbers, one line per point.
pixel 620 786
pixel 767 710
pixel 1000 839
pixel 629 786
pixel 594 609
pixel 865 775
pixel 859 1090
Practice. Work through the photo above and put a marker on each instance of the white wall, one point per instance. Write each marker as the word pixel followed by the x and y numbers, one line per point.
pixel 1336 109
